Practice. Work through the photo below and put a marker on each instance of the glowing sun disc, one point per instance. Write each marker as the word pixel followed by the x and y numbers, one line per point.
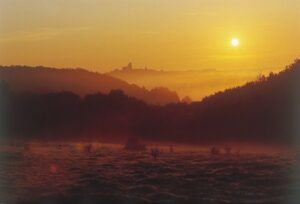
pixel 235 42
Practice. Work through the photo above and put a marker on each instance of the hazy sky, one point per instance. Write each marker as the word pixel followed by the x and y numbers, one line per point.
pixel 163 34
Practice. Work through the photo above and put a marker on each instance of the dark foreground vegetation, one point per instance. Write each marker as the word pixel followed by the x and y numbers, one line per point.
pixel 262 111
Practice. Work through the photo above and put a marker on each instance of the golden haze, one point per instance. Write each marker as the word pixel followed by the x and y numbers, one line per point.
pixel 167 34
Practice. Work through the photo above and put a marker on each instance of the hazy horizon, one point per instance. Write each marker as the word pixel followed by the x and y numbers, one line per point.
pixel 195 84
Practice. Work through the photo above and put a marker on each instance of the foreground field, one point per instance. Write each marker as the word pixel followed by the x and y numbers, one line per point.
pixel 73 173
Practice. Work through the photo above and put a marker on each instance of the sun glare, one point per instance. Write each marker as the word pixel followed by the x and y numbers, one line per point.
pixel 235 42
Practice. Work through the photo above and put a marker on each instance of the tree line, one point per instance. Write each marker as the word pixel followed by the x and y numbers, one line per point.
pixel 264 111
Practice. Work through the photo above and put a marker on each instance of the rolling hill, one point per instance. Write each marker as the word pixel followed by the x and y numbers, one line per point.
pixel 265 111
pixel 78 81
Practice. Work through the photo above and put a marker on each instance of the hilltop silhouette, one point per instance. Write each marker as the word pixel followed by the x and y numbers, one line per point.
pixel 264 111
pixel 78 81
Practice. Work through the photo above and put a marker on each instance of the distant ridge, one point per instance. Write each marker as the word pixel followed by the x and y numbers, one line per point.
pixel 195 84
pixel 80 81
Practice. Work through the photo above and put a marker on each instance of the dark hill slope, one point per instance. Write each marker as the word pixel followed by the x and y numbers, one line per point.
pixel 79 81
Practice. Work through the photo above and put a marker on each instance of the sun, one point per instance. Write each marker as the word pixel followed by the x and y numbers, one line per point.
pixel 235 42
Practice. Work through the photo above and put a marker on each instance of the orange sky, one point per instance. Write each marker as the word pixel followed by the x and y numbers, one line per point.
pixel 162 34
